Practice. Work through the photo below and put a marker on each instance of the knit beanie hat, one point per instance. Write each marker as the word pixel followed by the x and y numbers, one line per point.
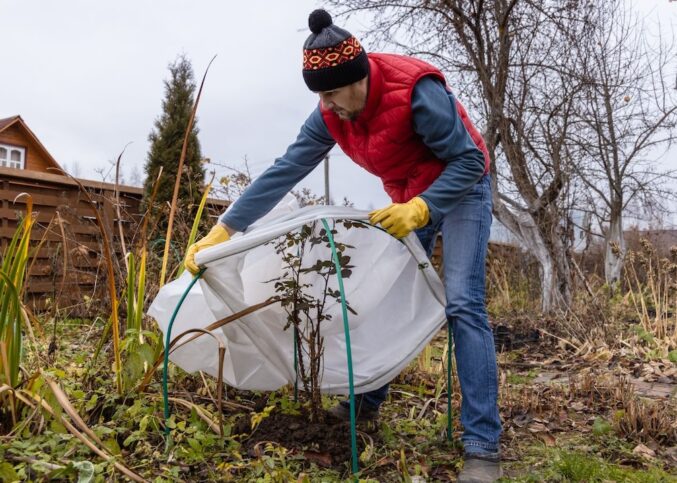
pixel 332 57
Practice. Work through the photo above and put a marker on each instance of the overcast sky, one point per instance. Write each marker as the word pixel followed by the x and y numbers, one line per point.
pixel 87 77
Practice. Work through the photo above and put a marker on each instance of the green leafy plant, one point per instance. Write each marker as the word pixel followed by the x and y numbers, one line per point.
pixel 196 223
pixel 601 426
pixel 138 344
pixel 306 312
pixel 257 418
pixel 12 314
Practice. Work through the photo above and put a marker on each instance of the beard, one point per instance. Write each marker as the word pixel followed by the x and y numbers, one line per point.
pixel 346 115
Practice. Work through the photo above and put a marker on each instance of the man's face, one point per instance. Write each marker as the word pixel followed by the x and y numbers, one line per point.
pixel 346 102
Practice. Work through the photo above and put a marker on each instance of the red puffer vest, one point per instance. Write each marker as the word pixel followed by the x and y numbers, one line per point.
pixel 382 139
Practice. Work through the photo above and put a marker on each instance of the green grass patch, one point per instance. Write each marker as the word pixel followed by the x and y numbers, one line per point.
pixel 562 465
pixel 521 378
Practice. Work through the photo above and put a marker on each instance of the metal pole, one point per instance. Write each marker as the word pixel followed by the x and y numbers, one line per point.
pixel 326 180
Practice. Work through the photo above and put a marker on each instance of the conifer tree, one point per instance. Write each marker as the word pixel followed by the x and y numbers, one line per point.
pixel 167 141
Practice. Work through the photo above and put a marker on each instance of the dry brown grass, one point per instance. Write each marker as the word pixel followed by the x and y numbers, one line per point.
pixel 634 419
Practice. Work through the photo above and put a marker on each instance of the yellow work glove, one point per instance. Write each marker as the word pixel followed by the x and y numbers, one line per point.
pixel 399 219
pixel 218 234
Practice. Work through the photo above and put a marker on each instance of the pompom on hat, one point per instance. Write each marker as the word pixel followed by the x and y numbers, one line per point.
pixel 332 57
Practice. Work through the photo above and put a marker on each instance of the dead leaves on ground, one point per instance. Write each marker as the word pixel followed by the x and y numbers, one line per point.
pixel 592 391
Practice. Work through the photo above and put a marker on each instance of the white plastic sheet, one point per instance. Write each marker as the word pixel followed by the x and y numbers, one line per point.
pixel 396 293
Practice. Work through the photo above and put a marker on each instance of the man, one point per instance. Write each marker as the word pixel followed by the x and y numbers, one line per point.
pixel 394 116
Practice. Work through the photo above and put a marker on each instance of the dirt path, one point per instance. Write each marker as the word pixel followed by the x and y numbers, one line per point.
pixel 654 390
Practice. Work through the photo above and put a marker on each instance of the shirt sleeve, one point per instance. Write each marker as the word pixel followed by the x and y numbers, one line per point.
pixel 440 126
pixel 311 146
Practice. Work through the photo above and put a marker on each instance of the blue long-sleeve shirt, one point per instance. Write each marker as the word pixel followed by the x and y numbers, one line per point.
pixel 435 119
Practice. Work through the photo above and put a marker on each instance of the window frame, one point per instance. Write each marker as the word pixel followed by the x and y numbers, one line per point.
pixel 7 162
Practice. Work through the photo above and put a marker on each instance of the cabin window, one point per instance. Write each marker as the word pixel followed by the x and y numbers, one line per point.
pixel 12 156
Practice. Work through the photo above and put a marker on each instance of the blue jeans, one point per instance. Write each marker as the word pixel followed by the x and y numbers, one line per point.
pixel 465 235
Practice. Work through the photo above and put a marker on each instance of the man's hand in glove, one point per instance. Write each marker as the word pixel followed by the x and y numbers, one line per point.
pixel 218 234
pixel 399 219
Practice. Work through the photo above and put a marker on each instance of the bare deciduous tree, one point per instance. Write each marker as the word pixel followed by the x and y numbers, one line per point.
pixel 514 63
pixel 629 112
pixel 232 185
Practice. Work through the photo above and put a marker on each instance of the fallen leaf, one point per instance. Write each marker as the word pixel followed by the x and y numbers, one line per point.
pixel 521 420
pixel 548 439
pixel 322 459
pixel 644 451
pixel 386 460
pixel 537 428
pixel 603 355
pixel 577 406
pixel 672 453
pixel 647 369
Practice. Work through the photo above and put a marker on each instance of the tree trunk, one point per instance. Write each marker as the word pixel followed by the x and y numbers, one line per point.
pixel 615 248
pixel 551 253
pixel 554 270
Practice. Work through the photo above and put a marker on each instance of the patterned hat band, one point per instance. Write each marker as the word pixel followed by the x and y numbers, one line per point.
pixel 314 59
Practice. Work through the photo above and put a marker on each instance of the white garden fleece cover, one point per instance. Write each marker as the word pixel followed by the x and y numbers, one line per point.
pixel 393 288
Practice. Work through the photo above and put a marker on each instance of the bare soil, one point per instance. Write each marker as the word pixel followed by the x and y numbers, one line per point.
pixel 324 443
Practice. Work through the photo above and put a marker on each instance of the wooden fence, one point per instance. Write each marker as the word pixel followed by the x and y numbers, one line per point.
pixel 69 268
